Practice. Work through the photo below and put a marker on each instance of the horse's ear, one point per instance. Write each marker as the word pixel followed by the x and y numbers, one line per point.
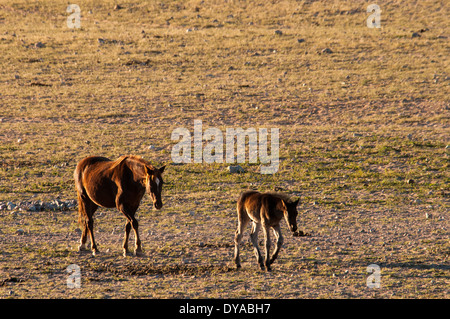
pixel 161 169
pixel 148 170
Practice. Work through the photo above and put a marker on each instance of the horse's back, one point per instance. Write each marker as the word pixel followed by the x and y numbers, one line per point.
pixel 91 179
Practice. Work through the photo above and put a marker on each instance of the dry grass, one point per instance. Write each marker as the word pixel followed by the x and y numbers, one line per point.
pixel 355 125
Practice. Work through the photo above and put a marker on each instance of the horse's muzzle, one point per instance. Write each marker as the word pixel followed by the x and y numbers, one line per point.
pixel 158 205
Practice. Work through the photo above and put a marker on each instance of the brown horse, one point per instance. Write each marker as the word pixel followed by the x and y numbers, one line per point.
pixel 121 183
pixel 266 210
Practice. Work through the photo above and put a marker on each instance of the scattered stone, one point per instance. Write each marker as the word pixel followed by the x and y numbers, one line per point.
pixel 39 45
pixel 300 40
pixel 10 205
pixel 428 216
pixel 235 169
pixel 409 181
pixel 118 7
pixel 415 35
pixel 278 32
pixel 327 50
pixel 20 231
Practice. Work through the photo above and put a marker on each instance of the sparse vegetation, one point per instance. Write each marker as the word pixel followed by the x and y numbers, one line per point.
pixel 363 142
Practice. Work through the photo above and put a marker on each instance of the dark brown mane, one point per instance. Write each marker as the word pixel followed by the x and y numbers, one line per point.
pixel 136 158
pixel 282 196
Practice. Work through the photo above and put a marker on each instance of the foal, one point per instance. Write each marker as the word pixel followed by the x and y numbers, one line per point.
pixel 266 210
pixel 121 183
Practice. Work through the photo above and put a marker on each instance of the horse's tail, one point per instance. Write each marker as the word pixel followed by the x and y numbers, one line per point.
pixel 80 191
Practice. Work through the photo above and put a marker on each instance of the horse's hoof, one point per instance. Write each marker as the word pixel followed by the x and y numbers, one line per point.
pixel 139 253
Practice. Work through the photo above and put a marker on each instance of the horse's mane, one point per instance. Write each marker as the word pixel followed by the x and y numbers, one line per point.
pixel 136 158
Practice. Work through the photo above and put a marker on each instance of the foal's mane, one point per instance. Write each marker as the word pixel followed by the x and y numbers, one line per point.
pixel 282 196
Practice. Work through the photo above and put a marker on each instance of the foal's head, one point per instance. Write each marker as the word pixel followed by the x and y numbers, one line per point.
pixel 290 214
pixel 153 185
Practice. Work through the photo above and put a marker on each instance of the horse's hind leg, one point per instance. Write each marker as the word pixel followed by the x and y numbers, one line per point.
pixel 86 209
pixel 90 226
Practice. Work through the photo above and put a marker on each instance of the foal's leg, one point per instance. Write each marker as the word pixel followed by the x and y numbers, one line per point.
pixel 279 237
pixel 254 238
pixel 266 232
pixel 242 222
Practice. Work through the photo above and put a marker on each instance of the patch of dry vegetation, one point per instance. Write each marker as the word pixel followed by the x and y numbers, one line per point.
pixel 358 123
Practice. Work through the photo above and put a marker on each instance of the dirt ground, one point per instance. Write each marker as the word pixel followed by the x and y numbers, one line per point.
pixel 364 143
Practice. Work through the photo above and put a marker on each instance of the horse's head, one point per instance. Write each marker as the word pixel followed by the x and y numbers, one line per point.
pixel 153 185
pixel 290 214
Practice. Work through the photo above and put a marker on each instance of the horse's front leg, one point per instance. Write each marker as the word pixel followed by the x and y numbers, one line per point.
pixel 131 223
pixel 125 240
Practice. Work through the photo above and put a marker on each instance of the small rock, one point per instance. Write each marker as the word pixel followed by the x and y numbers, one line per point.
pixel 20 231
pixel 118 7
pixel 39 45
pixel 409 181
pixel 101 41
pixel 327 50
pixel 428 216
pixel 300 40
pixel 415 35
pixel 10 205
pixel 235 169
pixel 278 32
pixel 409 136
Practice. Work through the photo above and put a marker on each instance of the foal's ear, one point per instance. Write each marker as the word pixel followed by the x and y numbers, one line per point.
pixel 284 204
pixel 161 169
